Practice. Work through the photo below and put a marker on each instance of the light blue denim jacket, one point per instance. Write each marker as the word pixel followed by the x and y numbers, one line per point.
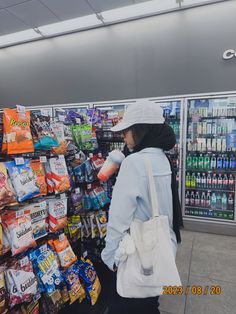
pixel 131 199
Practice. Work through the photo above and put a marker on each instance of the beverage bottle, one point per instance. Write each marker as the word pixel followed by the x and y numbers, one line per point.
pixel 209 180
pixel 232 162
pixel 219 162
pixel 208 199
pixel 189 162
pixel 192 199
pixel 195 162
pixel 193 180
pixel 203 199
pixel 225 162
pixel 230 202
pixel 231 182
pixel 213 162
pixel 220 181
pixel 204 180
pixel 187 198
pixel 197 199
pixel 218 201
pixel 199 180
pixel 214 181
pixel 209 148
pixel 201 162
pixel 188 180
pixel 224 202
pixel 225 182
pixel 213 201
pixel 207 162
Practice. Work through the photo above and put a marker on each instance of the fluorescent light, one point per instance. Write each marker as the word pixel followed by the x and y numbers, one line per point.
pixel 19 37
pixel 138 10
pixel 70 25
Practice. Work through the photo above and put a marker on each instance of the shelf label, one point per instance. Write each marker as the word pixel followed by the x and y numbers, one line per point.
pixel 43 159
pixel 19 161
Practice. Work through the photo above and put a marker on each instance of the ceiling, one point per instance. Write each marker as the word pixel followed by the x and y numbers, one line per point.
pixel 19 15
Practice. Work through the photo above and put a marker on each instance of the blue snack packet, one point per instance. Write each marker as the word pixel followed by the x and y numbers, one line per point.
pixel 79 173
pixel 101 195
pixel 89 176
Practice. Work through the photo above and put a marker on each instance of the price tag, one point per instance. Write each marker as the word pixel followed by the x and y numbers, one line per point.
pixel 43 159
pixel 89 186
pixel 20 109
pixel 63 195
pixel 61 118
pixel 61 237
pixel 24 261
pixel 85 254
pixel 78 120
pixel 19 161
pixel 19 213
pixel 46 112
pixel 61 157
pixel 43 248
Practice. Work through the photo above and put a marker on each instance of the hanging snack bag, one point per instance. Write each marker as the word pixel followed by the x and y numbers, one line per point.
pixel 39 174
pixel 18 229
pixel 3 291
pixel 101 220
pixel 74 227
pixel 60 175
pixel 79 173
pixel 57 214
pixel 77 200
pixel 7 196
pixel 46 138
pixel 49 180
pixel 89 175
pixel 101 195
pixel 17 131
pixel 21 281
pixel 90 279
pixel 87 204
pixel 30 308
pixel 94 200
pixel 46 268
pixel 94 227
pixel 5 243
pixel 58 130
pixel 23 180
pixel 39 214
pixel 66 255
pixel 75 289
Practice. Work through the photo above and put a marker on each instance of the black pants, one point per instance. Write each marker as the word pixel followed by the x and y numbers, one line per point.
pixel 119 305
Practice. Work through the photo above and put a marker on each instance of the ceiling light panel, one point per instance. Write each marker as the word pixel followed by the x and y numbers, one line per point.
pixel 146 8
pixel 18 37
pixel 70 25
pixel 10 24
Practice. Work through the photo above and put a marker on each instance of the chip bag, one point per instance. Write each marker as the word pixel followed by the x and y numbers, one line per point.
pixel 74 287
pixel 90 279
pixel 39 174
pixel 39 214
pixel 60 175
pixel 23 180
pixel 66 255
pixel 30 308
pixel 58 129
pixel 57 214
pixel 49 180
pixel 3 291
pixel 18 229
pixel 101 220
pixel 7 196
pixel 17 131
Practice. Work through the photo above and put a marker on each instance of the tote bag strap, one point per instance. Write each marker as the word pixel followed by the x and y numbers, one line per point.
pixel 152 187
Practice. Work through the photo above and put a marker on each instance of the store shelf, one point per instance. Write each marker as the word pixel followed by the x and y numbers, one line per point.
pixel 210 190
pixel 213 118
pixel 211 213
pixel 110 140
pixel 212 170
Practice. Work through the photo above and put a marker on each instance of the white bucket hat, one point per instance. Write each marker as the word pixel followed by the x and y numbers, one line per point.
pixel 141 112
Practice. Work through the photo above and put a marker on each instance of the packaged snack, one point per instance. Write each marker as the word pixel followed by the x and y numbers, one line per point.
pixel 49 180
pixel 86 228
pixel 46 138
pixel 65 294
pixel 1 239
pixel 101 196
pixel 60 175
pixel 23 180
pixel 57 214
pixel 90 279
pixel 5 243
pixel 97 162
pixel 54 302
pixel 101 219
pixel 87 204
pixel 79 173
pixel 75 289
pixel 21 281
pixel 7 196
pixel 39 174
pixel 66 255
pixel 82 135
pixel 39 214
pixel 58 130
pixel 94 200
pixel 30 308
pixel 74 227
pixel 89 176
pixel 3 291
pixel 46 268
pixel 77 200
pixel 18 228
pixel 17 131
pixel 94 227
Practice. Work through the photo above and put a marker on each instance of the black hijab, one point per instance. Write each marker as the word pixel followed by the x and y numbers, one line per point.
pixel 160 136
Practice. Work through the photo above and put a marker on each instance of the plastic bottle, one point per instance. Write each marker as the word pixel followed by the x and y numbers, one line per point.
pixel 207 162
pixel 225 182
pixel 213 201
pixel 224 202
pixel 231 182
pixel 213 162
pixel 189 162
pixel 208 199
pixel 203 199
pixel 201 162
pixel 218 201
pixel 225 162
pixel 193 180
pixel 220 181
pixel 111 165
pixel 232 162
pixel 192 199
pixel 195 162
pixel 199 180
pixel 230 202
pixel 204 180
pixel 209 180
pixel 219 162
pixel 214 181
pixel 197 199
pixel 188 180
pixel 187 198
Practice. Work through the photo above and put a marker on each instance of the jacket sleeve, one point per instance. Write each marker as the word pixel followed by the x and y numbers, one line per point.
pixel 122 209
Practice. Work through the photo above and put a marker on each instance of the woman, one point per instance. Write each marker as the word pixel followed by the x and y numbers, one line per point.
pixel 145 133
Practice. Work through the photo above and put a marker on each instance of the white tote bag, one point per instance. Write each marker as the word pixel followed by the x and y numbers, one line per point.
pixel 148 261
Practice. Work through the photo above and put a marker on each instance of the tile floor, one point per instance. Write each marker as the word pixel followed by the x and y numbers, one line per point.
pixel 204 260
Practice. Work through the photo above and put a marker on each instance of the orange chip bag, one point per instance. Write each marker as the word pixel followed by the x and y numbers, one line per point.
pixel 17 131
pixel 66 255
pixel 58 129
pixel 60 175
pixel 7 196
pixel 39 174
